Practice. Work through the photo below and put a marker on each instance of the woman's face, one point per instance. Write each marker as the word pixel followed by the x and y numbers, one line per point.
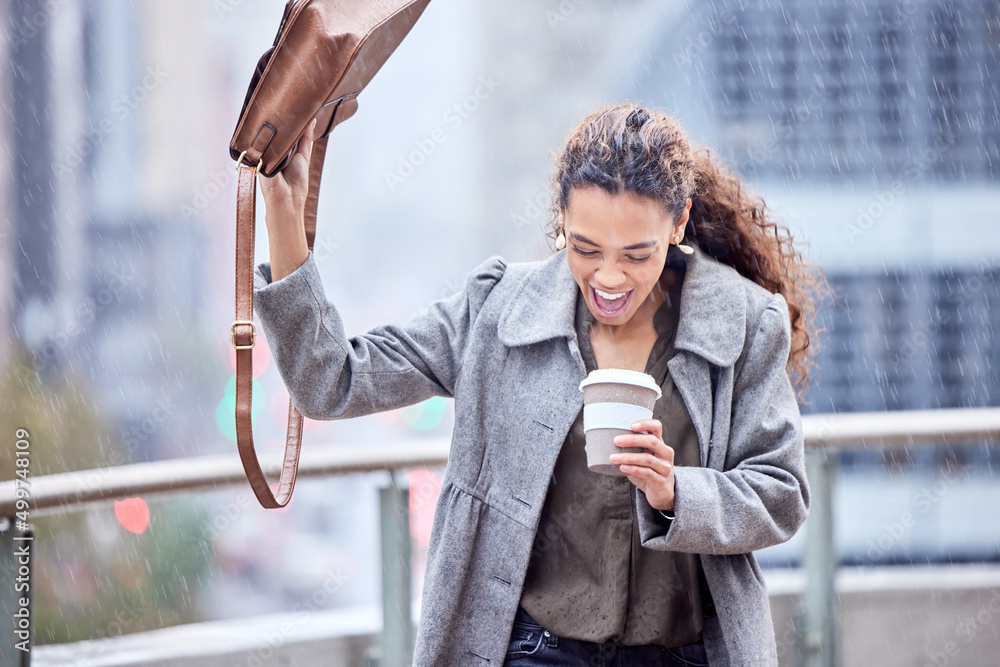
pixel 617 245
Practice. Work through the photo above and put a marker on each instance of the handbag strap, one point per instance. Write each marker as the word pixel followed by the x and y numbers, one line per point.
pixel 244 333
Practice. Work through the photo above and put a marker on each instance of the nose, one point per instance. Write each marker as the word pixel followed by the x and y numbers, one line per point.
pixel 610 277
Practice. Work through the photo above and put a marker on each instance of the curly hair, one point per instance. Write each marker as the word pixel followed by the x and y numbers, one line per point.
pixel 630 148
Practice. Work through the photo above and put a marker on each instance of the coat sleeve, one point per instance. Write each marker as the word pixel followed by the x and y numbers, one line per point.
pixel 762 497
pixel 331 376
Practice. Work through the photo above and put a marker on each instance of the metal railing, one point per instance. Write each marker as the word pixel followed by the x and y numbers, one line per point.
pixel 824 435
pixel 68 491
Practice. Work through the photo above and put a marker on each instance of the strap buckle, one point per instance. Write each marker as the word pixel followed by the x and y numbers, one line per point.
pixel 253 334
pixel 239 161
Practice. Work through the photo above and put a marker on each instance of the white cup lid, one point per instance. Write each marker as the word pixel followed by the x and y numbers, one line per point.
pixel 621 376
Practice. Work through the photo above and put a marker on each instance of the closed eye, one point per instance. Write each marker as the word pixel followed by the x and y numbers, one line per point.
pixel 591 253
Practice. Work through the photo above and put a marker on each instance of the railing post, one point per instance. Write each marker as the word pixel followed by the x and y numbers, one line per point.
pixel 397 626
pixel 818 608
pixel 16 553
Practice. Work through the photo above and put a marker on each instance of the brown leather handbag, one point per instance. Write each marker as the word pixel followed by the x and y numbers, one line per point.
pixel 325 52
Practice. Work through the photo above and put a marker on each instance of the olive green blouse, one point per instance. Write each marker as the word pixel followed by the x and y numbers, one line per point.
pixel 589 577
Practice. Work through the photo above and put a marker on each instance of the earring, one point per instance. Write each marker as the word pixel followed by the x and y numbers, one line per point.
pixel 560 240
pixel 686 249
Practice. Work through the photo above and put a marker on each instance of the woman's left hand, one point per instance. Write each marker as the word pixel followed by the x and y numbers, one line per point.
pixel 651 471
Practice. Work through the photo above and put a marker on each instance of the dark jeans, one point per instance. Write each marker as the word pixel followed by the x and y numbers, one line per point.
pixel 531 644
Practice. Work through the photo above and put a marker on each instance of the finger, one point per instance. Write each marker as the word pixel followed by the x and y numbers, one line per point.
pixel 306 142
pixel 651 426
pixel 643 440
pixel 638 481
pixel 644 462
pixel 644 478
pixel 657 489
pixel 266 187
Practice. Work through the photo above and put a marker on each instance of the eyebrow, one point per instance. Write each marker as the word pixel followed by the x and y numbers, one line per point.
pixel 634 246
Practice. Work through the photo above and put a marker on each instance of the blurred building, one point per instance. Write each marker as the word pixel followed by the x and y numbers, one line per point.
pixel 109 281
pixel 39 247
pixel 858 92
pixel 8 220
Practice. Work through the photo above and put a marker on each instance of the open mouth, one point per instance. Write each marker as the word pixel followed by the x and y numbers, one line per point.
pixel 611 307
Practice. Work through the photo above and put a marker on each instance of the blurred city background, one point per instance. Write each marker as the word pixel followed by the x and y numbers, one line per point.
pixel 871 127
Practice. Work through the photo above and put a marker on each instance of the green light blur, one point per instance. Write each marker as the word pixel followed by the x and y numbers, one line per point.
pixel 426 415
pixel 225 413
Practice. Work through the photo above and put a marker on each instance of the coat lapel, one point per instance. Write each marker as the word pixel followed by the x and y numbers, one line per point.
pixel 693 382
pixel 543 306
pixel 713 310
pixel 711 330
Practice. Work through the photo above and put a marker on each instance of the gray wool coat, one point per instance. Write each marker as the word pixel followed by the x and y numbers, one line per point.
pixel 505 348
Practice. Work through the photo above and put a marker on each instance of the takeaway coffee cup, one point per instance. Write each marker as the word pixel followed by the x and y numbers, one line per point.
pixel 613 399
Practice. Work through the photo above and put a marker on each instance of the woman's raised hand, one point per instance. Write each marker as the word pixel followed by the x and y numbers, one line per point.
pixel 285 202
pixel 651 471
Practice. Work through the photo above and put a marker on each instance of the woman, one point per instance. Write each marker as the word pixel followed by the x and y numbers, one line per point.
pixel 664 264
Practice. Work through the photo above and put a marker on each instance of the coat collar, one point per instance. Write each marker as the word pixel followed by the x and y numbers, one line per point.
pixel 713 307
